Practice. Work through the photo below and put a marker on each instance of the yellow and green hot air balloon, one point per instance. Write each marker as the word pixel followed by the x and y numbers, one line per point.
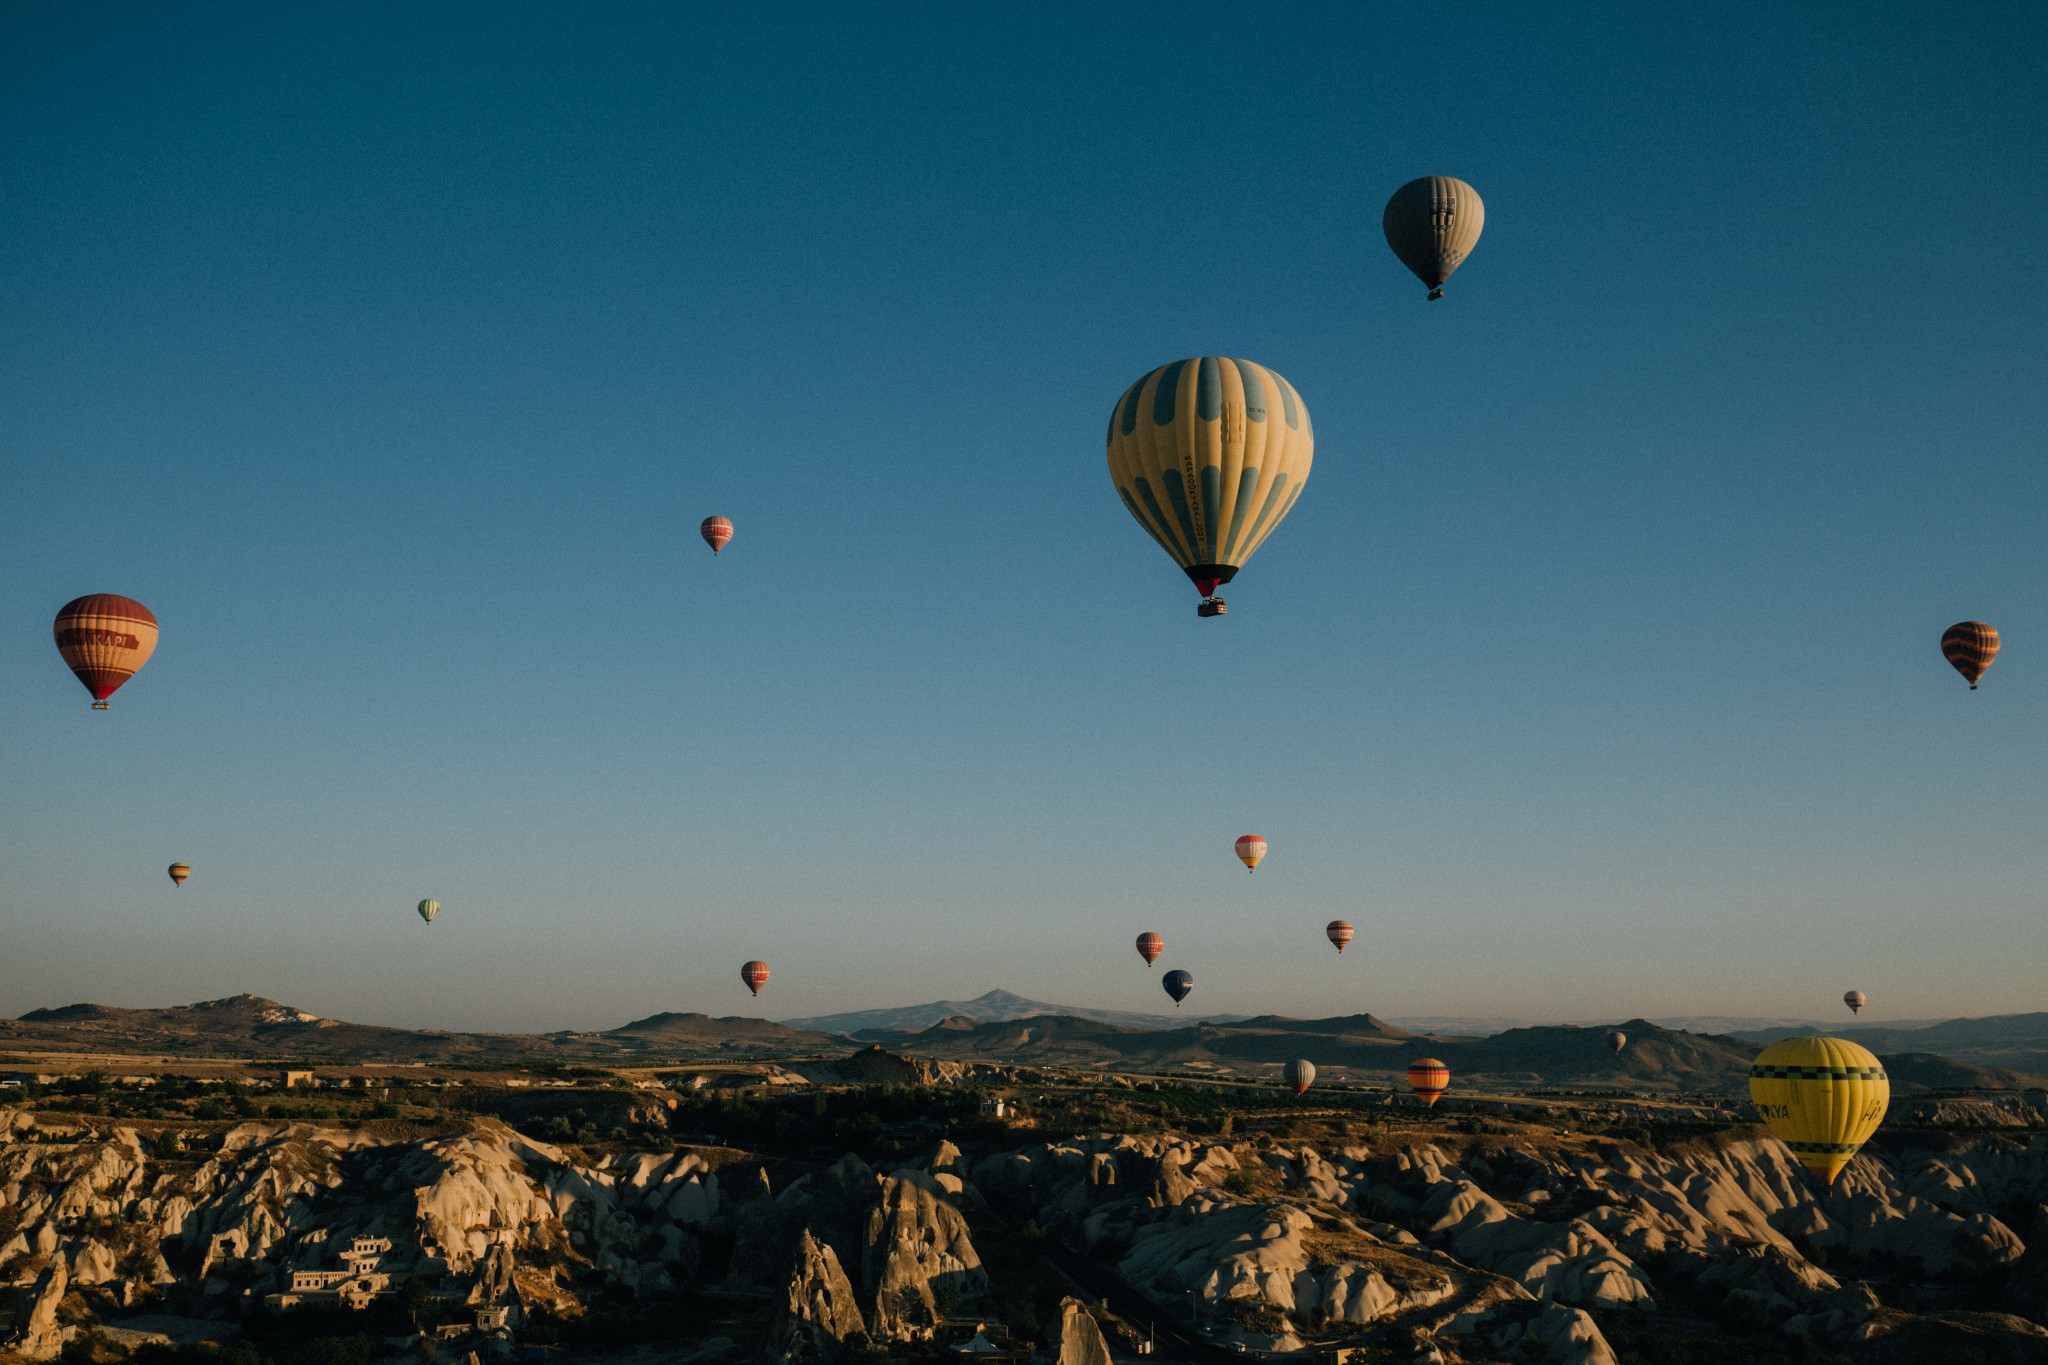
pixel 1209 455
pixel 1823 1097
pixel 429 909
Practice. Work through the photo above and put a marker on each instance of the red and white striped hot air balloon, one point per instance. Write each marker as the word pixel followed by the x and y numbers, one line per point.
pixel 755 974
pixel 1299 1075
pixel 105 638
pixel 1339 932
pixel 1250 848
pixel 1428 1078
pixel 1150 946
pixel 716 532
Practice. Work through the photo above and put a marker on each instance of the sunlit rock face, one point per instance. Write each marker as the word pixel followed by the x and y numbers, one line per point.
pixel 1516 1248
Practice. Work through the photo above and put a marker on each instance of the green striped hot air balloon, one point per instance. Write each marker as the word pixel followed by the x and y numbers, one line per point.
pixel 429 909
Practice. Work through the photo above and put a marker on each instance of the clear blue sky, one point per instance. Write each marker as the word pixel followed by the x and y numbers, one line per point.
pixel 392 354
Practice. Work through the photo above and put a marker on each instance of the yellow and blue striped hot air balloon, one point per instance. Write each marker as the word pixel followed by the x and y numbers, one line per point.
pixel 1823 1097
pixel 1209 455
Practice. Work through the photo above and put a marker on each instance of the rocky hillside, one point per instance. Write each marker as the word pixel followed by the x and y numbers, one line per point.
pixel 251 1026
pixel 1431 1245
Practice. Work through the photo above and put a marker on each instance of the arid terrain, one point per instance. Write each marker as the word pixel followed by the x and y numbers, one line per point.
pixel 842 1201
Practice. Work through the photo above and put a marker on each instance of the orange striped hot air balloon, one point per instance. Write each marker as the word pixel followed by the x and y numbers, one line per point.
pixel 1970 646
pixel 755 974
pixel 105 639
pixel 1250 848
pixel 716 532
pixel 180 871
pixel 1428 1078
pixel 1150 946
pixel 1339 932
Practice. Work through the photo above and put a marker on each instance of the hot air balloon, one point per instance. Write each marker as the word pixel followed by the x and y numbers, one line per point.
pixel 1616 1040
pixel 1299 1074
pixel 1178 983
pixel 1433 224
pixel 716 532
pixel 1250 848
pixel 755 974
pixel 1209 455
pixel 1854 1000
pixel 1339 932
pixel 105 639
pixel 1823 1097
pixel 1970 646
pixel 180 871
pixel 1150 946
pixel 429 909
pixel 1428 1078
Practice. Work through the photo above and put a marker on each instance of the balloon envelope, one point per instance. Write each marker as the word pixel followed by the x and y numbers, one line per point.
pixel 717 531
pixel 1428 1078
pixel 429 909
pixel 1854 1000
pixel 1970 647
pixel 1209 455
pixel 755 974
pixel 1299 1074
pixel 180 871
pixel 1823 1097
pixel 1616 1040
pixel 1339 932
pixel 1250 848
pixel 1150 946
pixel 105 639
pixel 1178 984
pixel 1432 224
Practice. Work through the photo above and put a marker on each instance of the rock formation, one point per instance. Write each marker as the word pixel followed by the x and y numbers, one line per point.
pixel 918 1249
pixel 819 1312
pixel 1078 1340
pixel 39 1336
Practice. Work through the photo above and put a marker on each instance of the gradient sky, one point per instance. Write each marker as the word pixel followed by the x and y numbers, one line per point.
pixel 392 354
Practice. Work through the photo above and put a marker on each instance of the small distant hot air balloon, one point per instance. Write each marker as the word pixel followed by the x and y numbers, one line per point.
pixel 1428 1078
pixel 1209 455
pixel 180 871
pixel 1854 1000
pixel 1299 1074
pixel 1339 932
pixel 1150 946
pixel 755 974
pixel 1616 1040
pixel 429 909
pixel 1178 983
pixel 1970 646
pixel 716 532
pixel 1250 848
pixel 1432 224
pixel 1823 1097
pixel 105 639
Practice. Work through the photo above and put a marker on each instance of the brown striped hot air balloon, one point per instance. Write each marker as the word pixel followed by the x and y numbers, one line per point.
pixel 1339 932
pixel 1150 946
pixel 1432 224
pixel 180 871
pixel 1616 1040
pixel 1428 1078
pixel 1854 1000
pixel 105 639
pixel 716 532
pixel 1970 646
pixel 755 974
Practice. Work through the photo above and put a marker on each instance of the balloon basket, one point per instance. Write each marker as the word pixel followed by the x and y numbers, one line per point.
pixel 1212 606
pixel 102 706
